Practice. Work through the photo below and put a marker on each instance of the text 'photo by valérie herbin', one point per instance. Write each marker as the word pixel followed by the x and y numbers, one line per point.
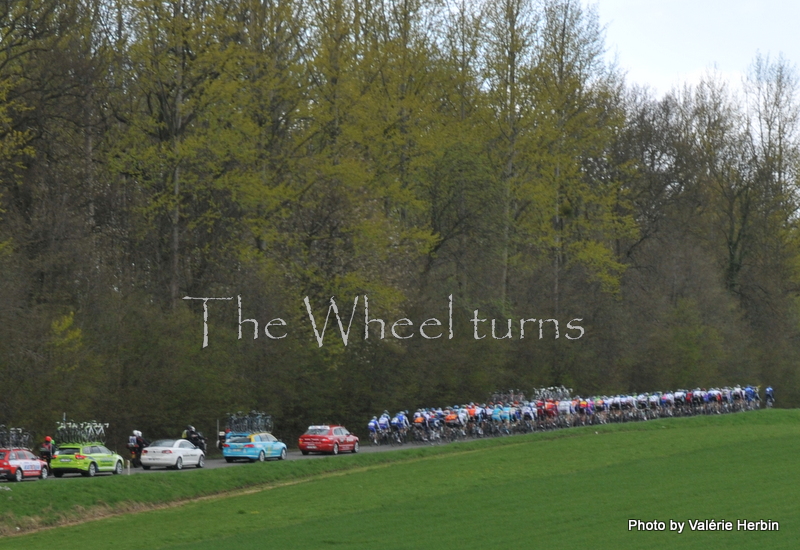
pixel 399 274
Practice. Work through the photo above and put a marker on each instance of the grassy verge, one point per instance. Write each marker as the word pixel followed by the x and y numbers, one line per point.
pixel 691 466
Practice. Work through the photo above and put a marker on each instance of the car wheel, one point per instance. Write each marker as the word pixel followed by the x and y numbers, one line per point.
pixel 118 468
pixel 336 448
pixel 355 447
pixel 58 474
pixel 201 462
pixel 43 474
pixel 145 467
pixel 228 459
pixel 283 454
pixel 262 457
pixel 304 452
pixel 92 471
pixel 179 464
pixel 18 475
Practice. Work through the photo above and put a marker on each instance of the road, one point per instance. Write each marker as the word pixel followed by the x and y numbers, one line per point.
pixel 214 463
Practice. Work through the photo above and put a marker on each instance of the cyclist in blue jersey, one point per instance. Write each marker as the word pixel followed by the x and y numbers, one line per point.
pixel 749 394
pixel 373 426
pixel 505 413
pixel 497 416
pixel 400 424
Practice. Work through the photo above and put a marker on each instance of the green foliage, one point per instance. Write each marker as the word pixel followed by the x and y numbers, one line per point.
pixel 401 150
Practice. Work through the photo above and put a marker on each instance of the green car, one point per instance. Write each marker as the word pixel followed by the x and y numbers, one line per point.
pixel 86 459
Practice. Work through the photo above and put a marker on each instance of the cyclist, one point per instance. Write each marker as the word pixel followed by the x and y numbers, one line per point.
pixel 400 424
pixel 488 411
pixel 384 421
pixel 508 413
pixel 749 394
pixel 582 409
pixel 373 428
pixel 497 413
pixel 588 406
pixel 433 425
pixel 47 450
pixel 641 401
pixel 463 415
pixel 667 402
pixel 451 418
pixel 680 398
pixel 551 412
pixel 421 424
pixel 528 412
pixel 564 410
pixel 770 396
pixel 472 410
pixel 406 423
pixel 714 399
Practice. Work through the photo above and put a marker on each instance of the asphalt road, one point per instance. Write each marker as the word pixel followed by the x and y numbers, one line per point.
pixel 213 463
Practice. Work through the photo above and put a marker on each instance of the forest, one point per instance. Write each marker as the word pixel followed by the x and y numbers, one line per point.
pixel 450 160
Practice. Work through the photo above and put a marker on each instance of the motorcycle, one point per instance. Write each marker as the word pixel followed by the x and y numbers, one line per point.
pixel 198 440
pixel 136 455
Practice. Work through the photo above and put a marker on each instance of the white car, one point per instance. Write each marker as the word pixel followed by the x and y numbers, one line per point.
pixel 172 453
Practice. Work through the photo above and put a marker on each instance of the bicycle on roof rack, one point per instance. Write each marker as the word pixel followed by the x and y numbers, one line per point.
pixel 81 432
pixel 15 437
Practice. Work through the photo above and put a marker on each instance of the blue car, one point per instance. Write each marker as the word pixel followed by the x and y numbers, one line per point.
pixel 258 446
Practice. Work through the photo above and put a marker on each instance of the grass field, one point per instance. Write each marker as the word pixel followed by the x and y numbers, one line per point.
pixel 573 488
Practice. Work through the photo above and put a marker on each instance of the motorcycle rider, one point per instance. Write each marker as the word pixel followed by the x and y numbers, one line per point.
pixel 194 437
pixel 136 443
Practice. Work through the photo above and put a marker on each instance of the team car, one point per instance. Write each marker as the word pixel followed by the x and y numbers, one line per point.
pixel 327 439
pixel 87 459
pixel 18 464
pixel 257 446
pixel 172 453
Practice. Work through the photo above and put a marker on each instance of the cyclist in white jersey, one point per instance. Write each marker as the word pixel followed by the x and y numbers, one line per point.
pixel 463 415
pixel 384 420
pixel 528 412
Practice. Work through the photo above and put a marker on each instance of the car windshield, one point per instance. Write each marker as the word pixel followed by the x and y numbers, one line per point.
pixel 239 440
pixel 163 443
pixel 317 430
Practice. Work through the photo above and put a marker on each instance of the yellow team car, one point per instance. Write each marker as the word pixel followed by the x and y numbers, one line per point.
pixel 87 459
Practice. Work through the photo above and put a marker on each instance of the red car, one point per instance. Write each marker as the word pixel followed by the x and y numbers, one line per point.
pixel 17 464
pixel 327 439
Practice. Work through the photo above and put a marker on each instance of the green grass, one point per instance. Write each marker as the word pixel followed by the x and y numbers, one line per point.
pixel 573 487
